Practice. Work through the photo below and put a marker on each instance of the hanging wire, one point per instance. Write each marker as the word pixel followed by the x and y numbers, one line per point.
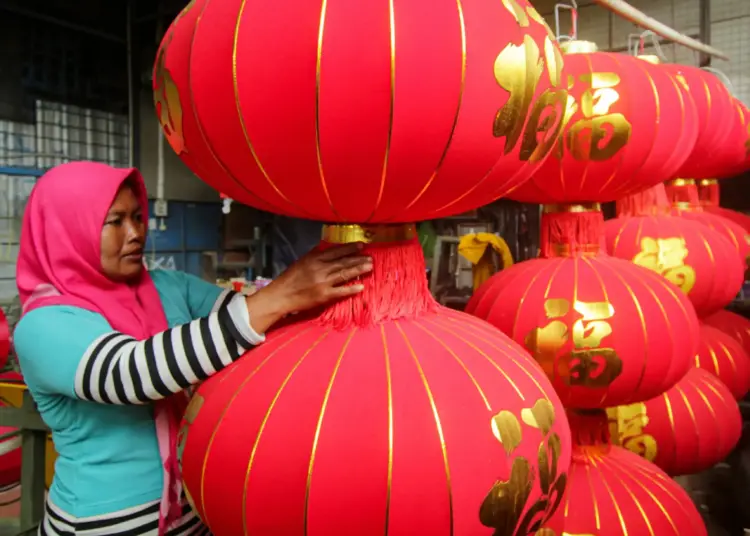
pixel 637 44
pixel 571 6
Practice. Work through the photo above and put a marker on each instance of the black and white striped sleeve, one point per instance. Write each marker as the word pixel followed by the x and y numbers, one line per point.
pixel 117 369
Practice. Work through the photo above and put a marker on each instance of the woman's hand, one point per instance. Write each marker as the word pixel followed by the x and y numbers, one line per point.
pixel 317 278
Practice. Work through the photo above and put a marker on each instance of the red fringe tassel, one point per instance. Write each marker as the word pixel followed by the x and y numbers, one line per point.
pixel 395 289
pixel 568 233
pixel 709 194
pixel 680 192
pixel 650 202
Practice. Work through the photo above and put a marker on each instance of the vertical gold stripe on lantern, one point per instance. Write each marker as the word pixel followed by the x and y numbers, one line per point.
pixel 319 426
pixel 462 23
pixel 318 62
pixel 199 123
pixel 241 117
pixel 438 424
pixel 266 417
pixel 224 410
pixel 389 390
pixel 384 174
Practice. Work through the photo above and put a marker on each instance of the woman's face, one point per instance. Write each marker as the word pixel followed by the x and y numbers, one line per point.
pixel 123 237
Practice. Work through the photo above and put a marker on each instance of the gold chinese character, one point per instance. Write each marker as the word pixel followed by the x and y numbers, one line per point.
pixel 628 423
pixel 167 102
pixel 587 363
pixel 599 135
pixel 666 256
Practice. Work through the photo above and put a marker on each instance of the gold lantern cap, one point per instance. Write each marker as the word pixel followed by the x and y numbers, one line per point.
pixel 650 58
pixel 578 47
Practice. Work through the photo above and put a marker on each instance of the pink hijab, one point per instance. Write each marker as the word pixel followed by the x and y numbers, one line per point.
pixel 59 263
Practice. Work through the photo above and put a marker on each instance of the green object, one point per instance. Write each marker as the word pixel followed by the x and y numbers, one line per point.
pixel 427 238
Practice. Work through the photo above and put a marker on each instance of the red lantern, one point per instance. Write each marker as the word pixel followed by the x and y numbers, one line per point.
pixel 589 319
pixel 615 492
pixel 700 261
pixel 715 108
pixel 684 196
pixel 724 357
pixel 429 107
pixel 4 340
pixel 387 412
pixel 688 429
pixel 734 325
pixel 708 191
pixel 611 143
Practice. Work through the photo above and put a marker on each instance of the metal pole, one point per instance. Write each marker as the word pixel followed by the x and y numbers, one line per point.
pixel 704 30
pixel 628 12
pixel 134 91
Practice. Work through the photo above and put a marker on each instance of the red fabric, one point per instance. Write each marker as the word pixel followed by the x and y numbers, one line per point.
pixel 716 114
pixel 652 152
pixel 734 325
pixel 613 492
pixel 347 422
pixel 700 261
pixel 4 340
pixel 404 112
pixel 688 429
pixel 59 263
pixel 724 357
pixel 654 328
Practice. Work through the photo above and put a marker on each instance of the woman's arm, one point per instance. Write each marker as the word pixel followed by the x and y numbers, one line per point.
pixel 73 352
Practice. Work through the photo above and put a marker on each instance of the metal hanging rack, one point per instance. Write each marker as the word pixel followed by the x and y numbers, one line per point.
pixel 637 17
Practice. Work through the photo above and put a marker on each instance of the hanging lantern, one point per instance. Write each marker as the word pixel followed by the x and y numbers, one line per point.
pixel 589 318
pixel 734 325
pixel 683 194
pixel 430 414
pixel 708 191
pixel 430 107
pixel 615 492
pixel 722 356
pixel 688 429
pixel 698 260
pixel 716 116
pixel 732 156
pixel 611 143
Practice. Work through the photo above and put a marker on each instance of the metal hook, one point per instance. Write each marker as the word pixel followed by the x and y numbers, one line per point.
pixel 573 8
pixel 654 42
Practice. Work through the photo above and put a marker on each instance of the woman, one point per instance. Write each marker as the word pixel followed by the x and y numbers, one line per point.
pixel 107 348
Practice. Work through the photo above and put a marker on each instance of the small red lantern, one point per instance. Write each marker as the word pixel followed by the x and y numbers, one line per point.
pixel 708 191
pixel 700 261
pixel 734 325
pixel 715 108
pixel 688 429
pixel 589 318
pixel 683 194
pixel 724 357
pixel 615 492
pixel 611 144
pixel 429 107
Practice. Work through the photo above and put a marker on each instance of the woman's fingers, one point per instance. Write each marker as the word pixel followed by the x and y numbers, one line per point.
pixel 349 262
pixel 337 252
pixel 348 290
pixel 346 274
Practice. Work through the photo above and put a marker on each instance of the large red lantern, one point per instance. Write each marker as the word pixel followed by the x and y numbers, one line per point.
pixel 589 319
pixel 725 358
pixel 716 114
pixel 431 417
pixel 429 107
pixel 611 143
pixel 734 325
pixel 615 492
pixel 688 429
pixel 700 261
